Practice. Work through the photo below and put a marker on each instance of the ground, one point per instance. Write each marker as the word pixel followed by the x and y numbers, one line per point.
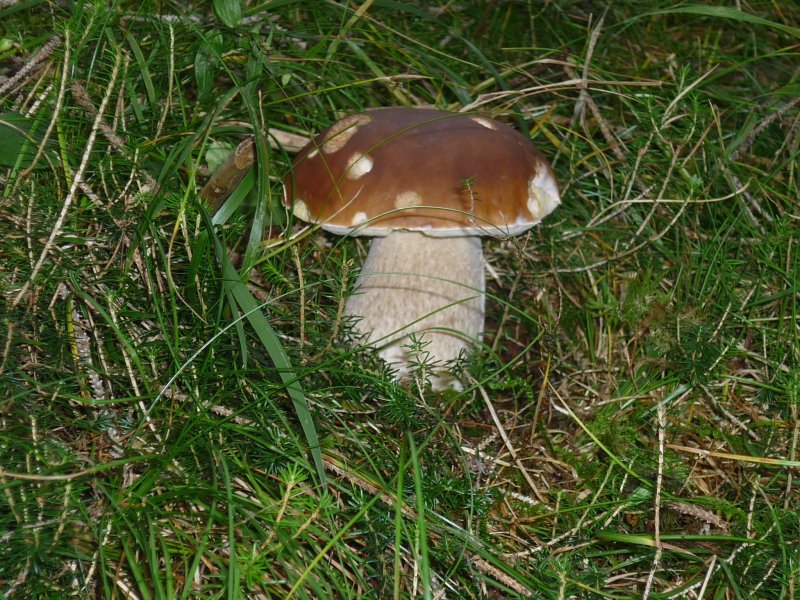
pixel 181 415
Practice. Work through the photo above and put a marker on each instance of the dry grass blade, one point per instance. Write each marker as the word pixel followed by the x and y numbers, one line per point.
pixel 778 462
pixel 57 226
pixel 174 426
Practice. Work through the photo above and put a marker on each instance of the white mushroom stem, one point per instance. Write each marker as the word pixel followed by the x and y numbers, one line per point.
pixel 430 286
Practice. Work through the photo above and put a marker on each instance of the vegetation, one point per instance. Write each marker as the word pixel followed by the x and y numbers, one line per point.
pixel 179 415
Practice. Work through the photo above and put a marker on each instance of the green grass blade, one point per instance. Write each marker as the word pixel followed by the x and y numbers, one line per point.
pixel 232 574
pixel 422 528
pixel 726 12
pixel 253 313
pixel 398 526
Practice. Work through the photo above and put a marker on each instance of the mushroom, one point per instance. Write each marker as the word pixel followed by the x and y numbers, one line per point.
pixel 426 184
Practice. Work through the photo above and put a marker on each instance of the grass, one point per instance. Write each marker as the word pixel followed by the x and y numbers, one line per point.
pixel 180 419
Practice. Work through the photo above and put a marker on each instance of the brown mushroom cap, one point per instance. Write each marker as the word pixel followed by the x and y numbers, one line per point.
pixel 440 173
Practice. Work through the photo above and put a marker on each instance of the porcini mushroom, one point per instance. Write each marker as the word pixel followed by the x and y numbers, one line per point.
pixel 426 184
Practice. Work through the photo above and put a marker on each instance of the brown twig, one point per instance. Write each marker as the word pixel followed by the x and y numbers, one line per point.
pixel 657 514
pixel 29 67
pixel 229 175
pixel 744 147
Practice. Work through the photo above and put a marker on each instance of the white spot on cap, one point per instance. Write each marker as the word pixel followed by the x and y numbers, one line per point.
pixel 406 199
pixel 359 218
pixel 341 132
pixel 358 165
pixel 300 210
pixel 312 154
pixel 543 194
pixel 488 123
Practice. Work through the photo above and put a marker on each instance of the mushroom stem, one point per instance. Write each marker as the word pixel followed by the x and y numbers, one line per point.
pixel 430 286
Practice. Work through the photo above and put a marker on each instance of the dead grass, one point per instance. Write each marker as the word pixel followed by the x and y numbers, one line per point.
pixel 630 428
